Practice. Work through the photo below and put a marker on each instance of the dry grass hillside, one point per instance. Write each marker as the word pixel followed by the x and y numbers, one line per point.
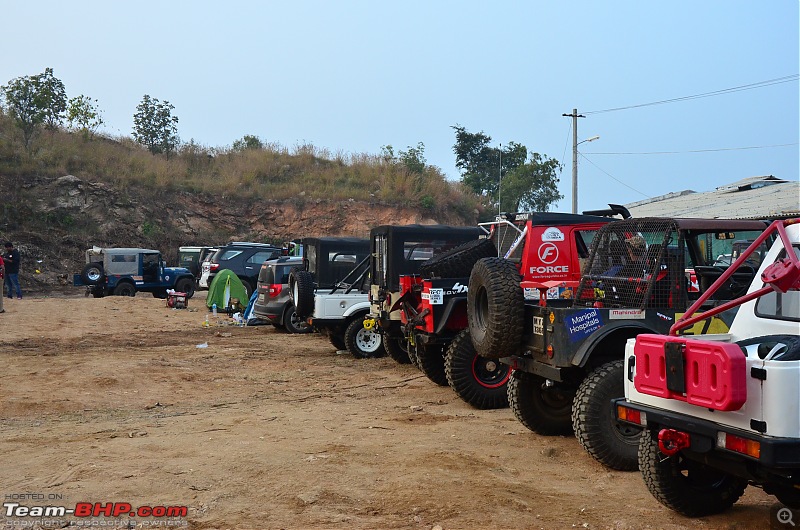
pixel 67 192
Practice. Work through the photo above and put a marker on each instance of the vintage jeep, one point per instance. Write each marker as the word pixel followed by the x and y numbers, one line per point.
pixel 567 357
pixel 401 250
pixel 125 271
pixel 330 292
pixel 552 248
pixel 724 412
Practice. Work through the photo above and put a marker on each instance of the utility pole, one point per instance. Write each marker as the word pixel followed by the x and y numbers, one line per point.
pixel 574 117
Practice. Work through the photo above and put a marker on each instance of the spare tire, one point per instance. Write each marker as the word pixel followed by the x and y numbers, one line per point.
pixel 458 262
pixel 301 285
pixel 495 308
pixel 92 273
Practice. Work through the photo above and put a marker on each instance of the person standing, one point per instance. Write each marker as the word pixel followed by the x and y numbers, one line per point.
pixel 12 259
pixel 2 285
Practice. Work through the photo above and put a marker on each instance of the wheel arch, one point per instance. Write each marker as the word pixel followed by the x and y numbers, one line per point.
pixel 352 311
pixel 602 345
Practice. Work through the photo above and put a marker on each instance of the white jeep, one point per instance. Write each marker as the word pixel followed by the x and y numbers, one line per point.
pixel 723 412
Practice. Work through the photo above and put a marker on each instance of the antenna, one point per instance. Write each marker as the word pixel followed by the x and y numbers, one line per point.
pixel 499 179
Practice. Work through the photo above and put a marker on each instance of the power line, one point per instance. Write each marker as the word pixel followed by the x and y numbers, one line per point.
pixel 696 150
pixel 760 84
pixel 613 177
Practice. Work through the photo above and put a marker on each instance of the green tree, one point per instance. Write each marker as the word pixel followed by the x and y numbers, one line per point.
pixel 525 183
pixel 413 159
pixel 248 141
pixel 155 127
pixel 52 98
pixel 483 166
pixel 84 115
pixel 35 100
pixel 533 186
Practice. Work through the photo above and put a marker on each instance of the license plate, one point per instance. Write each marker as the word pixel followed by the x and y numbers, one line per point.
pixel 538 325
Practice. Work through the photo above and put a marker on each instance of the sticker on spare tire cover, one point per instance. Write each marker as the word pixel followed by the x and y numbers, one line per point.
pixel 581 324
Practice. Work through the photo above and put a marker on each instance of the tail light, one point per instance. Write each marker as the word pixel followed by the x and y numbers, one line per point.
pixel 213 267
pixel 550 351
pixel 737 444
pixel 633 416
pixel 275 289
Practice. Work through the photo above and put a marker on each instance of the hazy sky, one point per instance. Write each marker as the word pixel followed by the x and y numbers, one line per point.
pixel 352 76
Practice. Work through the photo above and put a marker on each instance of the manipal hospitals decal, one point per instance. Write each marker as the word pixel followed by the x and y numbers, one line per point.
pixel 581 324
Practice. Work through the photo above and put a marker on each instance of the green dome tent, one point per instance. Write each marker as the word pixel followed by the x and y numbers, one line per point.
pixel 224 286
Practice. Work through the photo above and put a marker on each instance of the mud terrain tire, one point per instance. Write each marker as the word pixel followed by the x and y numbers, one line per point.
pixel 185 285
pixel 495 308
pixel 125 289
pixel 458 262
pixel 480 382
pixel 612 443
pixel 544 410
pixel 686 486
pixel 431 362
pixel 301 284
pixel 397 349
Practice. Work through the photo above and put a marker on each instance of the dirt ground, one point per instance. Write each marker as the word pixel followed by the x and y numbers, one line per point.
pixel 112 401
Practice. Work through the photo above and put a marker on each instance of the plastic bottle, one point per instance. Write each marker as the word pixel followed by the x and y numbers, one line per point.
pixel 214 309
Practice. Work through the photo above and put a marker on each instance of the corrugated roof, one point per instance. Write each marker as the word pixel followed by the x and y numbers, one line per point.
pixel 765 197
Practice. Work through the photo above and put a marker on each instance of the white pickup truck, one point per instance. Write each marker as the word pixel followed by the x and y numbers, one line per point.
pixel 723 412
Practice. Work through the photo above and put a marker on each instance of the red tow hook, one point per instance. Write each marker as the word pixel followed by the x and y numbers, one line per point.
pixel 671 441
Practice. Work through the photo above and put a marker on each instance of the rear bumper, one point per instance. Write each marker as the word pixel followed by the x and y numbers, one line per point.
pixel 776 453
pixel 270 311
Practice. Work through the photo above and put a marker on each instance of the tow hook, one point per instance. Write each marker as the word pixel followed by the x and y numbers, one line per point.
pixel 671 441
pixel 369 323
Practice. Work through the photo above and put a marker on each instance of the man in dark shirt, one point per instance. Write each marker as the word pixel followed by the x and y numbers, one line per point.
pixel 11 259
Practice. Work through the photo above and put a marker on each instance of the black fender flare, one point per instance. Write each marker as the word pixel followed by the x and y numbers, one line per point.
pixel 584 352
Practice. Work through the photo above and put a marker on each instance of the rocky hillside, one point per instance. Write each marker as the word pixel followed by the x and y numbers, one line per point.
pixel 53 220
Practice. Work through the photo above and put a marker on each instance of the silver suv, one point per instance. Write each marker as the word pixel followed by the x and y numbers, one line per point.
pixel 274 304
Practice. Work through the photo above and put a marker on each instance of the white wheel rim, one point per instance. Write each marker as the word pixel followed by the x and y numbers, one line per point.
pixel 368 340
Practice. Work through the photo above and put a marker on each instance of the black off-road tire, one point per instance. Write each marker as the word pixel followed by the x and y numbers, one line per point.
pixel 160 293
pixel 363 343
pixel 612 443
pixel 431 362
pixel 293 323
pixel 185 285
pixel 397 349
pixel 458 262
pixel 125 289
pixel 479 381
pixel 686 486
pixel 98 293
pixel 337 341
pixel 495 308
pixel 542 409
pixel 301 284
pixel 788 497
pixel 92 273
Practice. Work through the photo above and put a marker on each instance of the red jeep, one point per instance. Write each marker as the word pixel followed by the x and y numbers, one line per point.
pixel 546 248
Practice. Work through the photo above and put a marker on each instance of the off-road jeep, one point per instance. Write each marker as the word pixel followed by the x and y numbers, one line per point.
pixel 551 247
pixel 330 292
pixel 567 356
pixel 403 250
pixel 125 271
pixel 724 412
